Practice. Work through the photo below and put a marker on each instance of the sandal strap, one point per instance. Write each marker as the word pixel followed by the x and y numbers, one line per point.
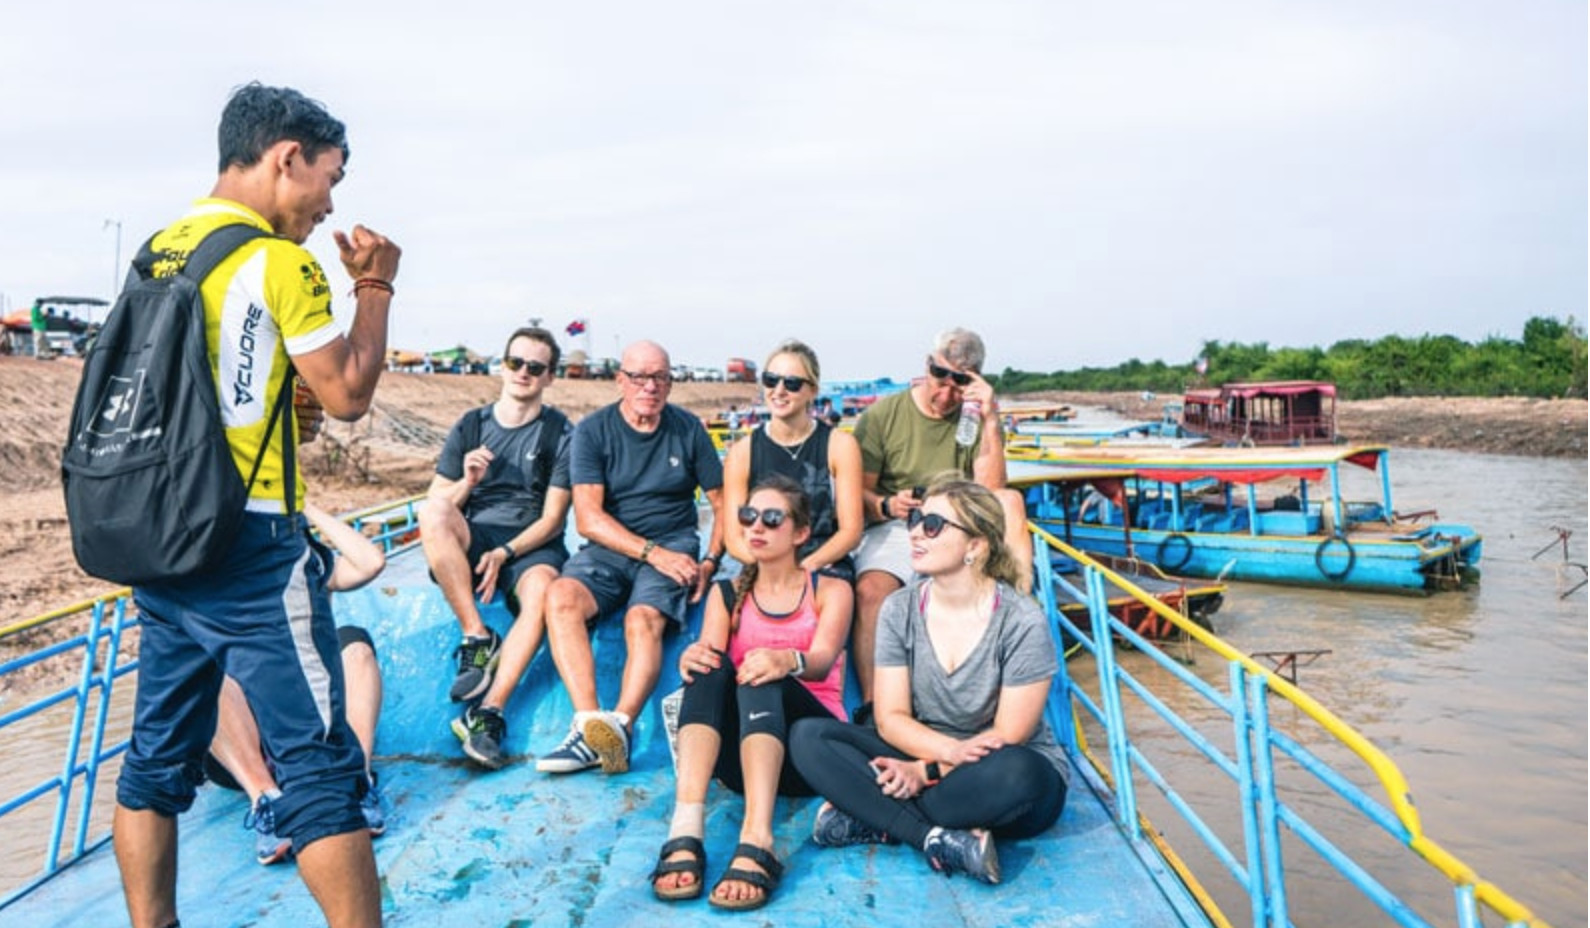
pixel 765 882
pixel 763 857
pixel 687 843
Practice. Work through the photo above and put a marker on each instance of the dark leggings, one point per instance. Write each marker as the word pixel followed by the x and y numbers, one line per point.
pixel 1015 792
pixel 734 711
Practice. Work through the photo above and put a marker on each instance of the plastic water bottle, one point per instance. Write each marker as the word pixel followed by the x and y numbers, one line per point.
pixel 971 423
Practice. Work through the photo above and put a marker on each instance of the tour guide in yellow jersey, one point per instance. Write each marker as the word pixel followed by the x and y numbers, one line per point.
pixel 263 616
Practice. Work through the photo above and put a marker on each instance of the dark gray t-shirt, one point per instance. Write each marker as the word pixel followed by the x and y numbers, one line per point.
pixel 1015 650
pixel 515 486
pixel 649 479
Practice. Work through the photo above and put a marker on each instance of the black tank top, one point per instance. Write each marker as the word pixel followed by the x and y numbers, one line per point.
pixel 807 465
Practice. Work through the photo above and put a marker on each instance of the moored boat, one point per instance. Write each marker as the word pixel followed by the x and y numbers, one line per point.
pixel 1273 514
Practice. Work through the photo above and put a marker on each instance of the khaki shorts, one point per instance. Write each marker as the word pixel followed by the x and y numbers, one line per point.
pixel 886 547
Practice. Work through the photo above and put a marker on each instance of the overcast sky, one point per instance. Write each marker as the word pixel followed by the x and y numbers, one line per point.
pixel 1080 182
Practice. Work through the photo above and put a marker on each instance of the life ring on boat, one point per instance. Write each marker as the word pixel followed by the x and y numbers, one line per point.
pixel 1324 546
pixel 1162 556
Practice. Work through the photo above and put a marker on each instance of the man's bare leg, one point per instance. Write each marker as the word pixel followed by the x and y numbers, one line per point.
pixel 872 588
pixel 643 635
pixel 340 873
pixel 570 607
pixel 519 648
pixel 445 536
pixel 146 853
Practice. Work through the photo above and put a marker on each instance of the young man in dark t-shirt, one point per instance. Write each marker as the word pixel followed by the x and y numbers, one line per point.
pixel 635 467
pixel 494 518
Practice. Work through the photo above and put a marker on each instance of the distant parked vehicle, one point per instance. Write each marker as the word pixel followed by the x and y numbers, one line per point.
pixel 741 370
pixel 707 375
pixel 680 373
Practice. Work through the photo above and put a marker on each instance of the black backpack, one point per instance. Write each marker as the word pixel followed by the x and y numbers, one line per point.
pixel 152 493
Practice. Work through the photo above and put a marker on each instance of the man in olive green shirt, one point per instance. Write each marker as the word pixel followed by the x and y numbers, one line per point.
pixel 906 440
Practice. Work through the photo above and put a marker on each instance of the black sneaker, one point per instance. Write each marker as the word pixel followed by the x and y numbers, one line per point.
pixel 477 662
pixel 482 731
pixel 972 852
pixel 833 828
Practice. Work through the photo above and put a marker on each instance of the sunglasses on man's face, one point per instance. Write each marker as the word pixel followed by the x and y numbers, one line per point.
pixel 932 523
pixel 792 384
pixel 960 378
pixel 772 518
pixel 514 363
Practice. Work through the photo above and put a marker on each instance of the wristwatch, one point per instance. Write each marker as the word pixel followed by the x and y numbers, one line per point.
pixel 933 773
pixel 508 550
pixel 646 551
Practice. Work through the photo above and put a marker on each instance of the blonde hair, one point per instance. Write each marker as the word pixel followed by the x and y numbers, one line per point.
pixel 978 510
pixel 804 352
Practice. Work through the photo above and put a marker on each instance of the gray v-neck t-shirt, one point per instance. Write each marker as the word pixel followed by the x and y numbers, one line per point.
pixel 1016 649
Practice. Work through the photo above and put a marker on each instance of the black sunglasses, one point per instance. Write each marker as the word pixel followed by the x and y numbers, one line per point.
pixel 932 523
pixel 792 384
pixel 772 518
pixel 961 378
pixel 514 363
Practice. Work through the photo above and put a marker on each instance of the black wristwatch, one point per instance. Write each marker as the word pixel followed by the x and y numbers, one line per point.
pixel 931 768
pixel 883 508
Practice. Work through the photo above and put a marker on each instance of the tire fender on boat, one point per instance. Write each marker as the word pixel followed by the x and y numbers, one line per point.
pixel 1162 555
pixel 1324 546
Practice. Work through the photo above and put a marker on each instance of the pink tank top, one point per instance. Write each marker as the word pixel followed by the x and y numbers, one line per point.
pixel 793 630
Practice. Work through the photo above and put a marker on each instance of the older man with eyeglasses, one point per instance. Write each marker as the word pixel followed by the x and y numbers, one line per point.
pixel 907 440
pixel 494 519
pixel 635 468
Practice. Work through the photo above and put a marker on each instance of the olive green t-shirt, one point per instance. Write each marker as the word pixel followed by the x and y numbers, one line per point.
pixel 905 448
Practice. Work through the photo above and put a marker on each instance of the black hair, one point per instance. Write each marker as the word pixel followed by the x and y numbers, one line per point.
pixel 257 117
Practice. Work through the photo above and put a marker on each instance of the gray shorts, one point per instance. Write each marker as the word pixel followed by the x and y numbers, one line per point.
pixel 616 580
pixel 886 547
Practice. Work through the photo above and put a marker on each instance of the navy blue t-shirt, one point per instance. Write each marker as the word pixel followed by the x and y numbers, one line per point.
pixel 649 478
pixel 515 486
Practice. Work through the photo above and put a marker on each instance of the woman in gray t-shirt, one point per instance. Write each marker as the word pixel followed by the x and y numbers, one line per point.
pixel 964 662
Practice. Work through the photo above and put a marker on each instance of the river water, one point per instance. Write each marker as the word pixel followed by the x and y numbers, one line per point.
pixel 1479 696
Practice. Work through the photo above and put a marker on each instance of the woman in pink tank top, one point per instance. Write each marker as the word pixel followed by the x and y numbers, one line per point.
pixel 771 651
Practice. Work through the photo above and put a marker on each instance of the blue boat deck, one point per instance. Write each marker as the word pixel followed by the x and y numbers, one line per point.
pixel 519 847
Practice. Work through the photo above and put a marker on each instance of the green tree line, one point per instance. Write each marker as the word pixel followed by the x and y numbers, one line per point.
pixel 1548 361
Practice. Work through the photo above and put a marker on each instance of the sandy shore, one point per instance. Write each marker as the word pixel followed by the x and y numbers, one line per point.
pixel 391 452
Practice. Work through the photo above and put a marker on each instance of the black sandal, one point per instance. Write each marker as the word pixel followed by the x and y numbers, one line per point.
pixel 696 866
pixel 765 881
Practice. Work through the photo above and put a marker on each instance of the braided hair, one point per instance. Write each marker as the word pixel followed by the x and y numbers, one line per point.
pixel 800 516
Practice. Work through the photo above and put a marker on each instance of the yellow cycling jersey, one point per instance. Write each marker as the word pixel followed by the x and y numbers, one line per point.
pixel 266 301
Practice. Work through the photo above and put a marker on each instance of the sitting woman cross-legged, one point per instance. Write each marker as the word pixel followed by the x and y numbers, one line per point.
pixel 964 662
pixel 770 652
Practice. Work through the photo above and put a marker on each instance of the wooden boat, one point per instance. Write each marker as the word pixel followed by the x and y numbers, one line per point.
pixel 518 847
pixel 1276 412
pixel 1195 599
pixel 1275 515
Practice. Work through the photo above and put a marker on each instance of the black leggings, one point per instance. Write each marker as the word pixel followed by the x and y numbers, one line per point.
pixel 1015 792
pixel 734 711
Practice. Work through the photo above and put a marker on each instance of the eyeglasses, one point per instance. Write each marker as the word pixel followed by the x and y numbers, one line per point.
pixel 961 378
pixel 659 379
pixel 772 518
pixel 792 384
pixel 932 523
pixel 514 363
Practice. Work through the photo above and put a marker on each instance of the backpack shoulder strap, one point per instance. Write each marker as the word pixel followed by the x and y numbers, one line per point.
pixel 553 422
pixel 216 246
pixel 472 425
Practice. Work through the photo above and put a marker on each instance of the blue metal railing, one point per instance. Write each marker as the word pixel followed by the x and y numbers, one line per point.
pixel 109 617
pixel 1258 867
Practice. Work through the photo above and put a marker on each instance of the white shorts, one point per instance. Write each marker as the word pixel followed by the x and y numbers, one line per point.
pixel 886 547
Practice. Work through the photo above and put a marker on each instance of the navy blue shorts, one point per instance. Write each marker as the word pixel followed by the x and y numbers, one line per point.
pixel 616 580
pixel 263 618
pixel 483 538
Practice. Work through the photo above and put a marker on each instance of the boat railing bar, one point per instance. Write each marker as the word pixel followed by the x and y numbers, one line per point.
pixel 1256 745
pixel 394 535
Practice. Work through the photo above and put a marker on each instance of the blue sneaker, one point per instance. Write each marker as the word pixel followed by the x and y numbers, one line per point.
pixel 477 664
pixel 261 819
pixel 572 756
pixel 372 805
pixel 833 828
